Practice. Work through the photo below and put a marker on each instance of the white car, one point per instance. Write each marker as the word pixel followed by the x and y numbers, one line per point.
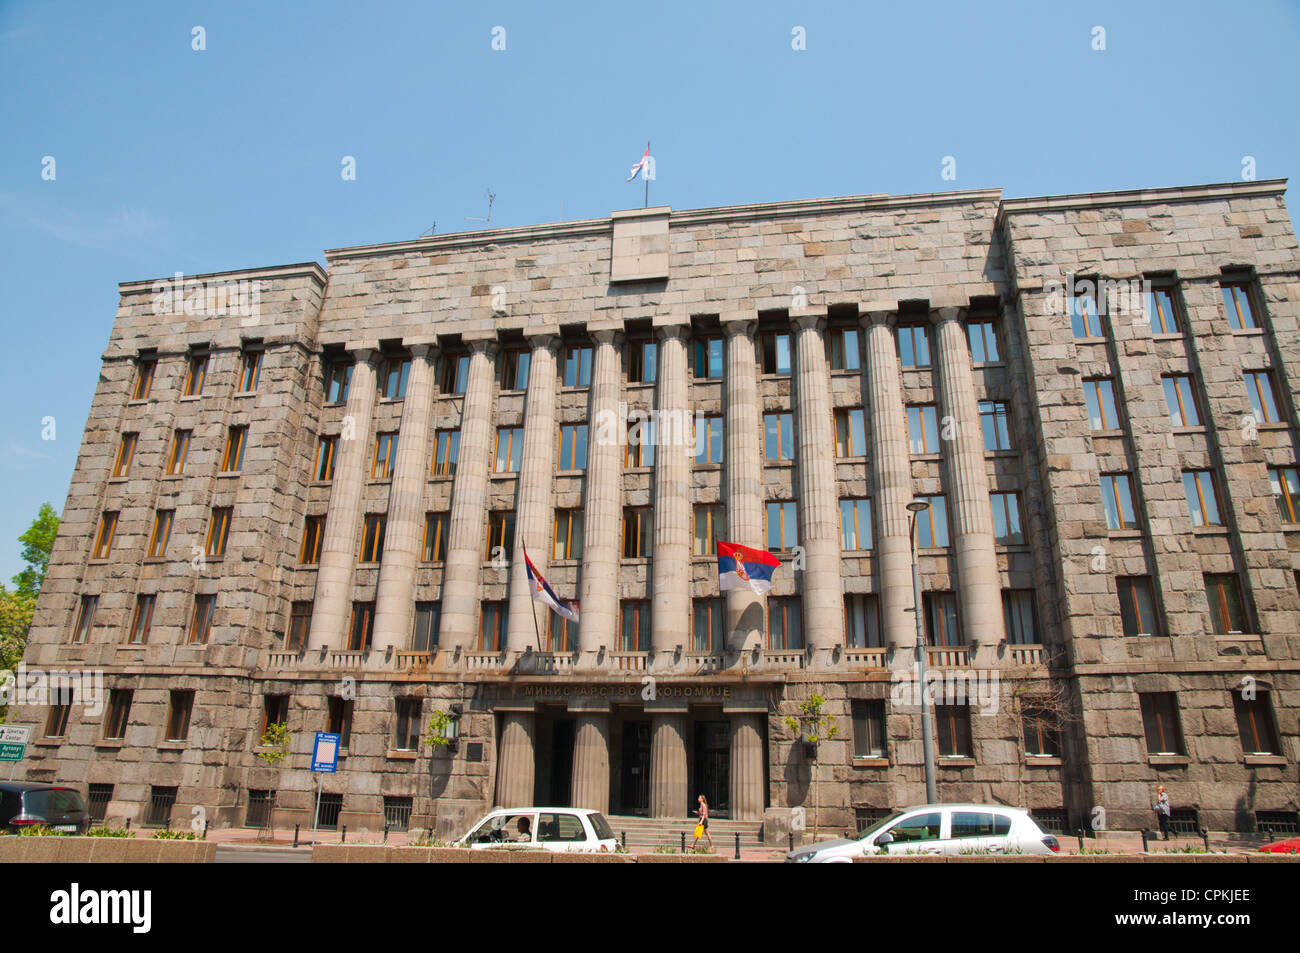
pixel 557 829
pixel 951 829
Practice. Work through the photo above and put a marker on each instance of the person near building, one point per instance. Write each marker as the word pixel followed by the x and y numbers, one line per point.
pixel 702 828
pixel 1163 810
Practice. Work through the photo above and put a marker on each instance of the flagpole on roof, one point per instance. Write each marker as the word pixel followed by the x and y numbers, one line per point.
pixel 645 174
pixel 532 608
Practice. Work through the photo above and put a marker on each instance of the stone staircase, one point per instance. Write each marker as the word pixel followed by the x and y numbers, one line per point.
pixel 644 834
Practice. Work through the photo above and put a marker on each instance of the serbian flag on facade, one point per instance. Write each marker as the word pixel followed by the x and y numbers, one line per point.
pixel 542 592
pixel 741 567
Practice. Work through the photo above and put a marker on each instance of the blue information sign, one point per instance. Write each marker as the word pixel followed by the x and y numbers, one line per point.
pixel 325 753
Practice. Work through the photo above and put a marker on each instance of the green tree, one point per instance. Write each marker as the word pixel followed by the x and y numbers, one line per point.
pixel 37 543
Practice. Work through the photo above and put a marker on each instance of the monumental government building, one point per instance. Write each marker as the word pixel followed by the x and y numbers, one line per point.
pixel 303 495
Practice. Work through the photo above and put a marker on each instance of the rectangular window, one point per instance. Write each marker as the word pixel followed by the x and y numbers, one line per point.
pixel 385 458
pixel 642 362
pixel 708 440
pixel 339 719
pixel 952 727
pixel 97 799
pixel 510 450
pixel 56 723
pixel 125 451
pixel 1085 320
pixel 776 352
pixel 1180 401
pixel 514 369
pixel 392 382
pixel 1117 498
pixel 406 735
pixel 708 358
pixel 85 620
pixel 313 536
pixel 201 619
pixel 1286 491
pixel 1202 501
pixel 424 637
pixel 196 374
pixel 325 451
pixel 179 706
pixel 843 352
pixel 706 625
pixel 218 531
pixel 1161 311
pixel 1099 396
pixel 455 373
pixel 161 802
pixel 782 526
pixel 1227 617
pixel 778 436
pixel 577 366
pixel 180 449
pixel 1238 304
pixel 855 524
pixel 634 625
pixel 1255 723
pixel 1006 519
pixel 869 739
pixel 923 428
pixel 568 535
pixel 993 422
pixel 362 630
pixel 941 624
pixel 141 619
pixel 1019 616
pixel 784 624
pixel 638 527
pixel 850 432
pixel 295 639
pixel 862 622
pixel 914 345
pixel 233 459
pixel 1263 396
pixel 983 339
pixel 446 450
pixel 708 520
pixel 1136 607
pixel 275 711
pixel 501 534
pixel 561 633
pixel 639 450
pixel 492 627
pixel 162 531
pixel 145 368
pixel 1041 728
pixel 434 547
pixel 338 377
pixel 932 524
pixel 1160 720
pixel 104 538
pixel 250 370
pixel 573 447
pixel 372 538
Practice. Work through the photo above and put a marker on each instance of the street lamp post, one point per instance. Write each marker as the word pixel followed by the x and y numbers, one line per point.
pixel 917 507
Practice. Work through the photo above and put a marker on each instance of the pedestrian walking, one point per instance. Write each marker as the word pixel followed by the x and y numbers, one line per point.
pixel 702 828
pixel 1163 810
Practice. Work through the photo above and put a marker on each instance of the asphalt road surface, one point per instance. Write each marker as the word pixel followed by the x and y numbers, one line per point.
pixel 261 855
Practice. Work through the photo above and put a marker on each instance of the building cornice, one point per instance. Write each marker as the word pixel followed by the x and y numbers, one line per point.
pixel 306 269
pixel 1163 196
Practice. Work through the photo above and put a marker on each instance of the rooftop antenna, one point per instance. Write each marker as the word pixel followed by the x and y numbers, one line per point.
pixel 429 231
pixel 491 197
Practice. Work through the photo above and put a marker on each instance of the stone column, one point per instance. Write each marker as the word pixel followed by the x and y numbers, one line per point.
pixel 338 558
pixel 671 609
pixel 744 476
pixel 602 493
pixel 891 475
pixel 590 786
pixel 668 765
pixel 970 517
pixel 747 799
pixel 533 497
pixel 404 530
pixel 465 534
pixel 819 510
pixel 515 764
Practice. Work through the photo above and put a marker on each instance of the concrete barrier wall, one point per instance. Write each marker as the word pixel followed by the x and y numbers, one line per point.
pixel 104 850
pixel 374 854
pixel 1094 859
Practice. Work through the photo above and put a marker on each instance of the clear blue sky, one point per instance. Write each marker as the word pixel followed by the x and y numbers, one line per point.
pixel 170 159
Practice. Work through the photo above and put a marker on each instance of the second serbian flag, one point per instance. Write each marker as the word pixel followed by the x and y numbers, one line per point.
pixel 543 593
pixel 742 567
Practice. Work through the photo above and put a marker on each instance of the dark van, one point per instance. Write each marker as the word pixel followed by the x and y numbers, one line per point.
pixel 27 803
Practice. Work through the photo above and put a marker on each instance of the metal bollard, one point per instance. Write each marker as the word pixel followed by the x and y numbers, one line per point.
pixel 128 823
pixel 683 835
pixel 385 832
pixel 622 839
pixel 205 830
pixel 1082 834
pixel 737 845
pixel 344 838
pixel 1205 836
pixel 790 834
pixel 295 834
pixel 1145 846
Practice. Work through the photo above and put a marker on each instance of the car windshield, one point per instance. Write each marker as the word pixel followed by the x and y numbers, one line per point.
pixel 879 824
pixel 51 803
pixel 600 826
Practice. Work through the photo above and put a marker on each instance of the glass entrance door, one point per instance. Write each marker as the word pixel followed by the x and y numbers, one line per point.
pixel 712 767
pixel 635 786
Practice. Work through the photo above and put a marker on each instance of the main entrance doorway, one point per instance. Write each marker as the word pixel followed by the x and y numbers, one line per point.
pixel 634 771
pixel 712 767
pixel 553 758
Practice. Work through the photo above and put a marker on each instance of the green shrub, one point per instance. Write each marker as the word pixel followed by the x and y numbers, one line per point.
pixel 174 835
pixel 108 832
pixel 39 830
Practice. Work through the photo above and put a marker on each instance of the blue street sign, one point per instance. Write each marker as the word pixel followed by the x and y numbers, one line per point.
pixel 325 753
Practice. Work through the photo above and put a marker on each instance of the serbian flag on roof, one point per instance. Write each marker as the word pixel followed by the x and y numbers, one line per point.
pixel 542 592
pixel 741 567
pixel 645 168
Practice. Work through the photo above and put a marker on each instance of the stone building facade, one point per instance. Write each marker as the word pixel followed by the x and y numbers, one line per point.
pixel 303 496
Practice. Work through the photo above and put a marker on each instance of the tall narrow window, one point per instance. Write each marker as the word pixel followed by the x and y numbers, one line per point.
pixel 1117 498
pixel 385 459
pixel 510 450
pixel 424 637
pixel 914 345
pixel 568 535
pixel 638 523
pixel 196 374
pixel 782 526
pixel 313 536
pixel 932 524
pixel 492 627
pixel 577 366
pixel 1099 396
pixel 850 432
pixel 125 451
pixel 561 633
pixel 446 450
pixel 941 627
pixel 275 711
pixel 145 368
pixel 1160 720
pixel 338 378
pixel 56 723
pixel 708 521
pixel 634 625
pixel 1202 500
pixel 180 705
pixel 708 358
pixel 784 624
pixel 923 428
pixel 983 339
pixel 707 634
pixel 1227 617
pixel 434 549
pixel 104 538
pixel 855 524
pixel 778 436
pixel 843 352
pixel 392 382
pixel 639 451
pixel 339 719
pixel 372 538
pixel 201 619
pixel 1286 491
pixel 1180 401
pixel 573 447
pixel 85 620
pixel 1085 320
pixel 952 729
pixel 295 639
pixel 325 451
pixel 141 619
pixel 642 362
pixel 455 373
pixel 180 450
pixel 1006 519
pixel 1263 396
pixel 514 369
pixel 1238 304
pixel 993 422
pixel 118 715
pixel 1136 607
pixel 250 369
pixel 1041 725
pixel 1019 617
pixel 362 630
pixel 1255 723
pixel 862 622
pixel 776 352
pixel 708 440
pixel 233 459
pixel 218 531
pixel 406 734
pixel 869 738
pixel 162 531
pixel 501 534
pixel 1161 311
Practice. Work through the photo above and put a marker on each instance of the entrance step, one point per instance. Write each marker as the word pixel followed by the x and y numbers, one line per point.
pixel 647 833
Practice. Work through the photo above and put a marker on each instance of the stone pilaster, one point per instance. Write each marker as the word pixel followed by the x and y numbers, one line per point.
pixel 891 476
pixel 602 493
pixel 515 764
pixel 744 476
pixel 671 609
pixel 533 498
pixel 970 515
pixel 819 535
pixel 590 786
pixel 746 767
pixel 338 558
pixel 404 530
pixel 668 765
pixel 465 534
